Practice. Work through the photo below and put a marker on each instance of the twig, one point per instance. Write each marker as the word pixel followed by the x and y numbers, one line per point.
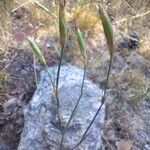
pixel 21 6
pixel 133 17
pixel 57 90
pixel 129 5
pixel 111 148
pixel 52 81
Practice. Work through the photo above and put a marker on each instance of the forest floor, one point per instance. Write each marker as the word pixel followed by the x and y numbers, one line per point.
pixel 127 121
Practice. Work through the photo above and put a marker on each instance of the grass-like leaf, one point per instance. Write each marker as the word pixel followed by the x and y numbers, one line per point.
pixel 108 30
pixel 109 36
pixel 37 51
pixel 81 43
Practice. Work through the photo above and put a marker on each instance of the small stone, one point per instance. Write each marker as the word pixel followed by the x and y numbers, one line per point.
pixel 19 121
pixel 20 104
pixel 13 117
pixel 20 112
pixel 18 128
pixel 1 108
pixel 8 128
pixel 146 147
pixel 3 145
pixel 2 119
pixel 111 135
pixel 10 105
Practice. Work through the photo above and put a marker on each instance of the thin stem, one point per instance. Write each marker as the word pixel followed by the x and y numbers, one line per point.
pixel 35 73
pixel 76 106
pixel 108 74
pixel 103 99
pixel 51 80
pixel 57 91
pixel 58 75
pixel 57 84
pixel 78 101
pixel 54 90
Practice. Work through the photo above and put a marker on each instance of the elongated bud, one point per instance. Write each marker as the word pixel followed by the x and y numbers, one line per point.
pixel 81 43
pixel 62 23
pixel 108 30
pixel 37 51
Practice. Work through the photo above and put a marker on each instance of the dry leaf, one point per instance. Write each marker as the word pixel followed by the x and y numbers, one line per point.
pixel 124 144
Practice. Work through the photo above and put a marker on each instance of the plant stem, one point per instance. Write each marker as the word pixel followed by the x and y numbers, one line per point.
pixel 78 101
pixel 58 75
pixel 35 73
pixel 103 99
pixel 76 106
pixel 57 90
pixel 51 80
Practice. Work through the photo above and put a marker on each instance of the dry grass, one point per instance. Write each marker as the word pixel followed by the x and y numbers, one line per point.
pixel 5 24
pixel 83 12
pixel 133 84
pixel 135 79
pixel 130 16
pixel 85 17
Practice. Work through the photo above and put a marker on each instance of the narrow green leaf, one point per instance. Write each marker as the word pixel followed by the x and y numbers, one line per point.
pixel 37 51
pixel 108 30
pixel 81 43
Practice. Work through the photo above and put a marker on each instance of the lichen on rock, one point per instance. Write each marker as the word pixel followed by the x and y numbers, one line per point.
pixel 41 128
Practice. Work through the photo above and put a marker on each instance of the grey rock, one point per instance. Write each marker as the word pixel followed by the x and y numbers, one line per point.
pixel 41 129
pixel 1 108
pixel 2 119
pixel 3 145
pixel 131 42
pixel 8 128
pixel 10 105
pixel 147 147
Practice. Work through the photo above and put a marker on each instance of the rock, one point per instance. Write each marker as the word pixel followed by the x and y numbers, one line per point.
pixel 41 129
pixel 2 118
pixel 147 147
pixel 131 42
pixel 134 41
pixel 1 108
pixel 3 145
pixel 8 128
pixel 111 135
pixel 10 105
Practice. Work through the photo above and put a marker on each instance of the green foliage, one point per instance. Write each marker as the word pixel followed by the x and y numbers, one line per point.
pixel 37 51
pixel 108 30
pixel 81 44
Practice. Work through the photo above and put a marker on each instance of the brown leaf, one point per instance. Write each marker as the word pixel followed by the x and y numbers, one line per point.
pixel 124 144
